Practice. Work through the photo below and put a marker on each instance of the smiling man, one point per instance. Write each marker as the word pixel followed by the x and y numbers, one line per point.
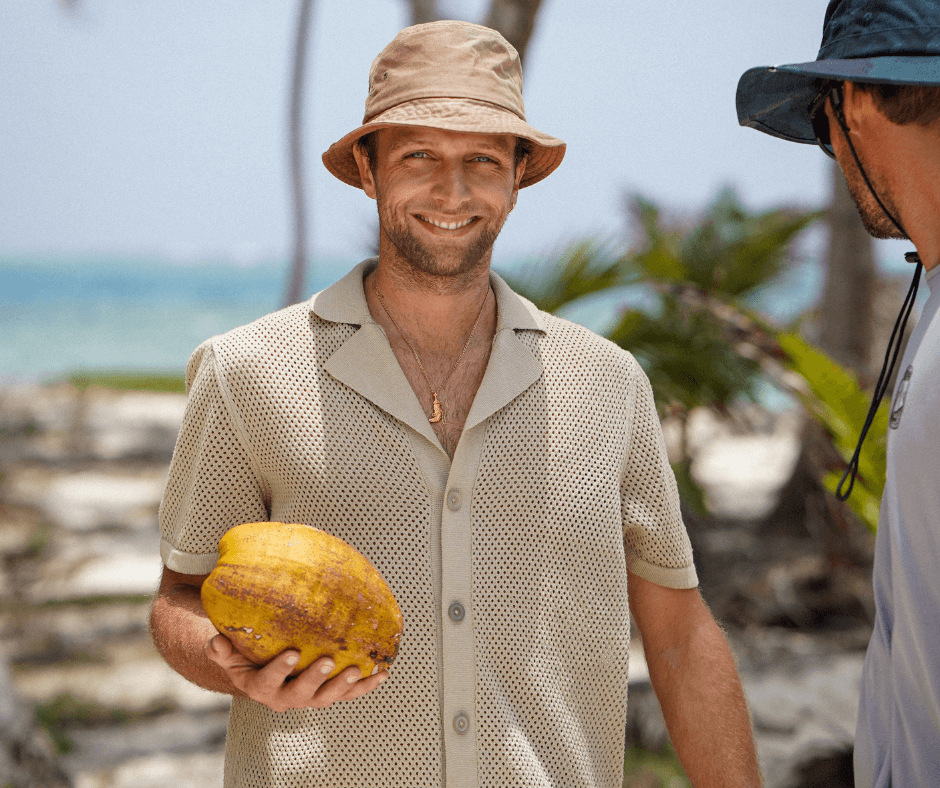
pixel 502 468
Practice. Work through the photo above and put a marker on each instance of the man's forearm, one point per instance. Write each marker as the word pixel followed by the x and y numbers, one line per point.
pixel 698 688
pixel 180 629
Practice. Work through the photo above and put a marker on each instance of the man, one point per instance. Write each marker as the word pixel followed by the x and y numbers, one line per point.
pixel 872 101
pixel 502 468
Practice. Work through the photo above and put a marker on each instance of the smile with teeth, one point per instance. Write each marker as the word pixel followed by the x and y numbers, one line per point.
pixel 446 225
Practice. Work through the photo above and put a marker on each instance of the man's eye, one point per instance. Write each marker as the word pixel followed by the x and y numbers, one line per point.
pixel 483 158
pixel 418 154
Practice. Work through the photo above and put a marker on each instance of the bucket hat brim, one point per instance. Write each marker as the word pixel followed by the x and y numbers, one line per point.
pixel 450 114
pixel 775 99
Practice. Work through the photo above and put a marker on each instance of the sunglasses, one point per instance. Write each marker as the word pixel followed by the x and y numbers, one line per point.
pixel 818 117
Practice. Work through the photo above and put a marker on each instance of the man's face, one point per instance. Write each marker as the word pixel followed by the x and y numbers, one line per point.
pixel 876 222
pixel 442 196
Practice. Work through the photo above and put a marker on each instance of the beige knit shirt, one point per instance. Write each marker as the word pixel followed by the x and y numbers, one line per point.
pixel 509 563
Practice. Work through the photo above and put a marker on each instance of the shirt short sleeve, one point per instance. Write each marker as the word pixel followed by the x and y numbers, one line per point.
pixel 213 484
pixel 656 544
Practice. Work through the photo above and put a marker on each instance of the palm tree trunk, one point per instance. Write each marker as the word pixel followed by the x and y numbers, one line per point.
pixel 423 11
pixel 295 286
pixel 515 19
pixel 848 298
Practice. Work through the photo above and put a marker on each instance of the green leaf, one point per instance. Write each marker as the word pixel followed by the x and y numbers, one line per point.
pixel 837 401
pixel 689 490
pixel 583 268
pixel 864 502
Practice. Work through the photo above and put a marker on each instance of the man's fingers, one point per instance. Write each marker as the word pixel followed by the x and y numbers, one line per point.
pixel 365 685
pixel 305 686
pixel 337 687
pixel 270 685
pixel 271 677
pixel 220 650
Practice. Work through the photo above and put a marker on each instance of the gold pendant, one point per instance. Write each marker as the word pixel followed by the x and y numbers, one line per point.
pixel 438 410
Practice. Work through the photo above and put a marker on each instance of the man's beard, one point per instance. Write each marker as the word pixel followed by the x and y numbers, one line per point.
pixel 449 262
pixel 873 217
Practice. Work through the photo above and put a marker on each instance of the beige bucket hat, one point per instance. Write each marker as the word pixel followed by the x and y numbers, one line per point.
pixel 448 75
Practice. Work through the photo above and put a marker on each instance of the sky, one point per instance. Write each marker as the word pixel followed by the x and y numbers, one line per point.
pixel 159 128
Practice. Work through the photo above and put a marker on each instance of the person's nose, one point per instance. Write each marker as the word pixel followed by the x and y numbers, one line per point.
pixel 451 187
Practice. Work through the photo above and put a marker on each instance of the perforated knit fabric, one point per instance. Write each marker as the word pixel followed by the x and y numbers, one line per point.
pixel 560 483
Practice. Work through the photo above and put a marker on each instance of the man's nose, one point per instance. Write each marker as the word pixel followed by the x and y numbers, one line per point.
pixel 451 186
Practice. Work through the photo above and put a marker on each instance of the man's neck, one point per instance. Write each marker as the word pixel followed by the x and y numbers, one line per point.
pixel 916 178
pixel 435 313
pixel 441 337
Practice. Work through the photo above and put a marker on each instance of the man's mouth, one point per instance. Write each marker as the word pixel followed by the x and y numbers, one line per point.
pixel 446 225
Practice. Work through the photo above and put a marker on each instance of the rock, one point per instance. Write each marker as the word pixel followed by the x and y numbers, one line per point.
pixel 37 422
pixel 87 500
pixel 27 757
pixel 743 473
pixel 130 676
pixel 801 715
pixel 124 425
pixel 100 566
pixel 103 539
pixel 833 769
pixel 803 702
pixel 59 423
pixel 68 634
pixel 192 770
pixel 646 727
pixel 103 747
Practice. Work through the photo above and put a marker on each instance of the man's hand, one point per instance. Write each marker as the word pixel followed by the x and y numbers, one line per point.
pixel 272 686
pixel 191 645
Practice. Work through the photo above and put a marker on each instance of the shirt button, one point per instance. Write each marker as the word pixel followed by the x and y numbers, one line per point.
pixel 456 611
pixel 461 723
pixel 454 500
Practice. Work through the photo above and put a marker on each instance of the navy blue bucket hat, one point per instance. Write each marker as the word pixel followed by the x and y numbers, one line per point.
pixel 887 41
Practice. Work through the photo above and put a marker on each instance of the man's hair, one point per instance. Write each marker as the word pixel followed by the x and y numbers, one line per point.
pixel 367 143
pixel 905 103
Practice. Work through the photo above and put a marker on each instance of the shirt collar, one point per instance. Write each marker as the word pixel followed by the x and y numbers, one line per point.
pixel 366 364
pixel 345 302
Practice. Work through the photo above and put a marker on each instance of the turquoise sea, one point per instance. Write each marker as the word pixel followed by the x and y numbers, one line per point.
pixel 62 316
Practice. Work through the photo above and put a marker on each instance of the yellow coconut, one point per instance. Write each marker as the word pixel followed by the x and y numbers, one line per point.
pixel 278 586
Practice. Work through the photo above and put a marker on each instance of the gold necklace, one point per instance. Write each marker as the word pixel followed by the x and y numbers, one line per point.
pixel 438 414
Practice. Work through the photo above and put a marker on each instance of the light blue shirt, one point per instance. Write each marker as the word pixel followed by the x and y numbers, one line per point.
pixel 897 740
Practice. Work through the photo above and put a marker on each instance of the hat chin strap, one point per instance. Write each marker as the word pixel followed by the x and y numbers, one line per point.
pixel 897 334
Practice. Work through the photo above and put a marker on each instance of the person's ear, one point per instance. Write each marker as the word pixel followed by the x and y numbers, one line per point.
pixel 520 171
pixel 365 170
pixel 858 107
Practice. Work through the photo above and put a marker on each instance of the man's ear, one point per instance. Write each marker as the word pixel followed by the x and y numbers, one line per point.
pixel 520 171
pixel 858 107
pixel 365 170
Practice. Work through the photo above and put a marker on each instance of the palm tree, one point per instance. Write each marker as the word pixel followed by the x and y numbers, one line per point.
pixel 423 11
pixel 515 19
pixel 851 277
pixel 692 332
pixel 295 285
